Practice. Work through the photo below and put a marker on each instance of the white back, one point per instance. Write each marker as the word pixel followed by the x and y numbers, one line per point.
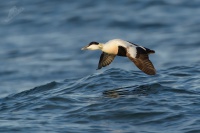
pixel 112 47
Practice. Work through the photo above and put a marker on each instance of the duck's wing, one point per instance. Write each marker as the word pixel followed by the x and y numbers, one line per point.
pixel 105 59
pixel 141 59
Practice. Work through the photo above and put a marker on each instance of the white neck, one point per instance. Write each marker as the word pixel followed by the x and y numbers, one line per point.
pixel 110 48
pixel 101 46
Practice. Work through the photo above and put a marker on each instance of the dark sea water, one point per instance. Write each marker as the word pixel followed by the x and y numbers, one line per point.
pixel 49 85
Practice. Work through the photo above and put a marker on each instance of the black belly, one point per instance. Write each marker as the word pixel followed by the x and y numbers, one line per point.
pixel 121 51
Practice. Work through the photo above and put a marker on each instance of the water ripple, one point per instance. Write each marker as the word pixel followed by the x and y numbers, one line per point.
pixel 111 95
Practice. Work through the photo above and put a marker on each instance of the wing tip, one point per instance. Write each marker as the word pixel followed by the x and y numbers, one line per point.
pixel 150 72
pixel 148 69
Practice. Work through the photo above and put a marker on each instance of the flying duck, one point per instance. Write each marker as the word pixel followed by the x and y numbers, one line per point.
pixel 117 47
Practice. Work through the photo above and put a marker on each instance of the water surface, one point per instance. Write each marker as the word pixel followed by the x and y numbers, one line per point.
pixel 49 85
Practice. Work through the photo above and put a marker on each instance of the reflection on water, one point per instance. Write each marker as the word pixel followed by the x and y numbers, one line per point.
pixel 141 90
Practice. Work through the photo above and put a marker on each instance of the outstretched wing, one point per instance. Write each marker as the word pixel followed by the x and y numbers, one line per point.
pixel 105 59
pixel 141 60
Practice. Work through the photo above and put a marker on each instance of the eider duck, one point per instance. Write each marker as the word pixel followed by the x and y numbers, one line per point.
pixel 117 47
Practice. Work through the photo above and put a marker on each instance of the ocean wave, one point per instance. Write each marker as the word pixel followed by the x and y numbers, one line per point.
pixel 110 83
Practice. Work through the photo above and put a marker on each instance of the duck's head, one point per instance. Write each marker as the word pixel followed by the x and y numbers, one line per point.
pixel 93 46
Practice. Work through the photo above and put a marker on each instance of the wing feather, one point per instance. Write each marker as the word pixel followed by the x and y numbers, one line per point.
pixel 105 60
pixel 142 62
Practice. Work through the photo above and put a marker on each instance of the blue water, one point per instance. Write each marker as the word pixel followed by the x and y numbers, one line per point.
pixel 49 85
